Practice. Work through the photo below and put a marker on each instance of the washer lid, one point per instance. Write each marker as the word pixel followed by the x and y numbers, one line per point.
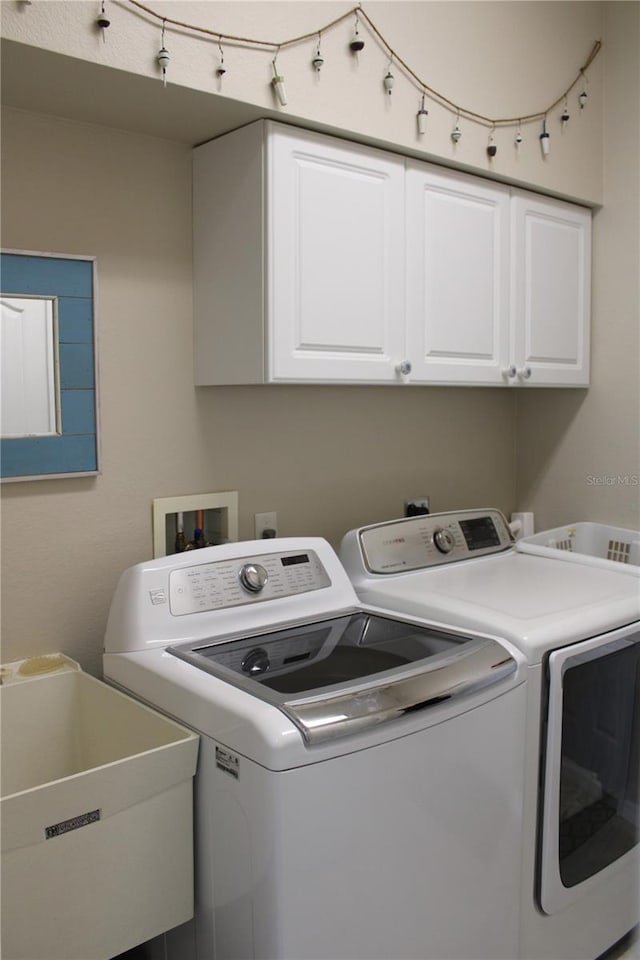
pixel 341 675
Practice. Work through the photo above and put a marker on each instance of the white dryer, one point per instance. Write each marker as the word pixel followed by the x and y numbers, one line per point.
pixel 360 779
pixel 579 627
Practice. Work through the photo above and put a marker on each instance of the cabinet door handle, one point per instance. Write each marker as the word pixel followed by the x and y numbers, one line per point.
pixel 524 373
pixel 510 372
pixel 403 369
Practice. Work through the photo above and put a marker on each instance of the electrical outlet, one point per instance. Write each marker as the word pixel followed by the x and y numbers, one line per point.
pixel 416 506
pixel 266 522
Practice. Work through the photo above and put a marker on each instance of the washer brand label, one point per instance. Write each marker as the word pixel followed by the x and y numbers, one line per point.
pixel 228 762
pixel 83 820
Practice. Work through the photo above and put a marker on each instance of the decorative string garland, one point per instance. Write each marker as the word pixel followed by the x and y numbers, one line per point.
pixel 356 45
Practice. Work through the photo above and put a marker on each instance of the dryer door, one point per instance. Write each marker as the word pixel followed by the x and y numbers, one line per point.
pixel 591 796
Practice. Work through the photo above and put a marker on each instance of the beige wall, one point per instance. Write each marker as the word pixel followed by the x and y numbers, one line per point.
pixel 325 459
pixel 497 59
pixel 579 451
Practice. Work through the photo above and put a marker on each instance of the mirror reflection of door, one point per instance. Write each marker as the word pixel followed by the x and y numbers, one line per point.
pixel 29 400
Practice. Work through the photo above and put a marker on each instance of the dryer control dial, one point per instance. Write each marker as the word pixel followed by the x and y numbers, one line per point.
pixel 444 540
pixel 253 577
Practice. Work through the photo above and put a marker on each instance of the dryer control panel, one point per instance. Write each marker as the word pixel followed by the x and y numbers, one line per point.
pixel 432 539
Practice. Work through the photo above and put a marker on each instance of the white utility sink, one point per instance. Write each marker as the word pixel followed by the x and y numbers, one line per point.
pixel 96 808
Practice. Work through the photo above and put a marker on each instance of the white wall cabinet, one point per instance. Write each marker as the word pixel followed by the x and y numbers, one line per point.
pixel 498 283
pixel 457 270
pixel 550 292
pixel 319 260
pixel 298 259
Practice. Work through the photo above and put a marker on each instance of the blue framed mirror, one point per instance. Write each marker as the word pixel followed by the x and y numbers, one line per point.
pixel 49 403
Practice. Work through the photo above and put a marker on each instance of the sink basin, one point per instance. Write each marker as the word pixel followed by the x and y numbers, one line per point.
pixel 96 815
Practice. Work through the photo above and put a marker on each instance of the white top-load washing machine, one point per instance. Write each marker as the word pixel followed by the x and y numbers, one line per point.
pixel 360 779
pixel 579 627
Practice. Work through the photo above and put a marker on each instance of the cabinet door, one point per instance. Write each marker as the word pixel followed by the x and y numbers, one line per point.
pixel 551 256
pixel 457 277
pixel 335 297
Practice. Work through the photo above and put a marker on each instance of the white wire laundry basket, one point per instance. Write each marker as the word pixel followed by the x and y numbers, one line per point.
pixel 594 544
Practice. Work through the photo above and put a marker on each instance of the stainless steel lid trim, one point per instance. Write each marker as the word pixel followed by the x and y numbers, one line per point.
pixel 472 667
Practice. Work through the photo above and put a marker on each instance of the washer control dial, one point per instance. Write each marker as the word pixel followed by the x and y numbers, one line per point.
pixel 253 577
pixel 444 540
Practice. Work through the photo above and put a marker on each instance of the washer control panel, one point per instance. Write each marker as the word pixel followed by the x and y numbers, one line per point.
pixel 232 583
pixel 431 539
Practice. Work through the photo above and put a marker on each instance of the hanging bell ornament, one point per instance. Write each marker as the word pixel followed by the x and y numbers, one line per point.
pixel 357 43
pixel 421 117
pixel 102 23
pixel 388 82
pixel 278 86
pixel 544 140
pixel 519 138
pixel 318 61
pixel 491 148
pixel 582 99
pixel 456 133
pixel 163 60
pixel 221 70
